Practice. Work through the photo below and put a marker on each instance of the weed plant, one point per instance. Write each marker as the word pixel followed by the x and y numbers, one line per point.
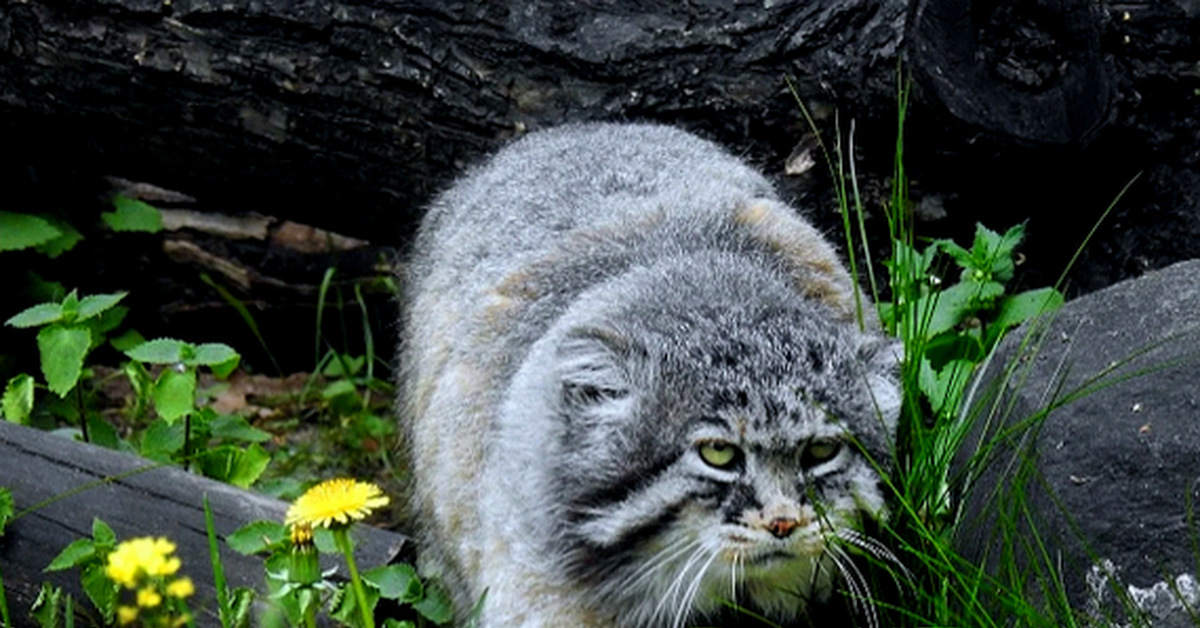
pixel 955 426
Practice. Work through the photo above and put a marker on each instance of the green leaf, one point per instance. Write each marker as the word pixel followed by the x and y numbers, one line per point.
pixel 100 590
pixel 6 508
pixel 209 354
pixel 392 622
pixel 338 388
pixel 127 340
pixel 237 428
pixel 435 606
pixel 945 309
pixel 175 393
pixel 22 231
pixel 103 535
pixel 396 582
pixel 68 237
pixel 159 351
pixel 239 467
pixel 133 215
pixel 77 553
pixel 944 388
pixel 345 608
pixel 102 434
pixel 97 304
pixel 258 536
pixel 224 369
pixel 18 399
pixel 40 314
pixel 162 440
pixel 63 349
pixel 47 606
pixel 1019 308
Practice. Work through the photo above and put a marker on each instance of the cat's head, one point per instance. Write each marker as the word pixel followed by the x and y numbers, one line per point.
pixel 721 452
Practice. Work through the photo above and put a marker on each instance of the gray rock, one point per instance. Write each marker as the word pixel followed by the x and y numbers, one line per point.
pixel 1113 467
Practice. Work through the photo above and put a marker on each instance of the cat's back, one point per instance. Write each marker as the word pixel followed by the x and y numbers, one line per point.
pixel 519 204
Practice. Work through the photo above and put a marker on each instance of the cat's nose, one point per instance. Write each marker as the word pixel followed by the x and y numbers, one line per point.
pixel 782 527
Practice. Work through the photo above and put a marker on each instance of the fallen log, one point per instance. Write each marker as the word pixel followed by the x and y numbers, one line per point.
pixel 60 485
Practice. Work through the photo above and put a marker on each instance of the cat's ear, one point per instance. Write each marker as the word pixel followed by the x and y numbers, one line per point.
pixel 593 367
pixel 881 357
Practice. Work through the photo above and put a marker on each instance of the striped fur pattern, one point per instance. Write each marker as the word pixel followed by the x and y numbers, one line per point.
pixel 633 389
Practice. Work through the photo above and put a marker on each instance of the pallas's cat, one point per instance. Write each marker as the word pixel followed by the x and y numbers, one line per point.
pixel 634 388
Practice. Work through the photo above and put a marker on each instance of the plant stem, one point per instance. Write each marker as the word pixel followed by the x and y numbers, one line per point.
pixel 82 414
pixel 4 605
pixel 342 537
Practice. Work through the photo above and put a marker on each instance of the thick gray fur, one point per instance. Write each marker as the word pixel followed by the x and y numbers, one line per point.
pixel 588 313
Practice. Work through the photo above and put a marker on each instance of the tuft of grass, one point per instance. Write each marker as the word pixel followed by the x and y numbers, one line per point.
pixel 954 426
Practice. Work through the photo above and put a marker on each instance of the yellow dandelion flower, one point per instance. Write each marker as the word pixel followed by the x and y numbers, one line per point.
pixel 181 588
pixel 302 534
pixel 126 615
pixel 340 500
pixel 140 557
pixel 148 598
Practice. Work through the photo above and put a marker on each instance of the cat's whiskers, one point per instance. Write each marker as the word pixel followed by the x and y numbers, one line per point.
pixel 663 607
pixel 658 560
pixel 876 550
pixel 688 602
pixel 857 584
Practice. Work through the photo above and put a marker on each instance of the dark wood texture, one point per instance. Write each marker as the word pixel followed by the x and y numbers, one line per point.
pixel 69 483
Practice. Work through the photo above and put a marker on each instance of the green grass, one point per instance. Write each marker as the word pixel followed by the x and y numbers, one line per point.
pixel 956 426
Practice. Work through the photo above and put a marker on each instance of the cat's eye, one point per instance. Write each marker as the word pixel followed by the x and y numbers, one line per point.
pixel 820 451
pixel 719 454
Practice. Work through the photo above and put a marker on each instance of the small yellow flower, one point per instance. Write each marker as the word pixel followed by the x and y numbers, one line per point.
pixel 126 614
pixel 140 557
pixel 148 598
pixel 302 534
pixel 181 588
pixel 340 500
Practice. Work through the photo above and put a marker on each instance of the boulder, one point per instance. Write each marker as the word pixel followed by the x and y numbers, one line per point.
pixel 1094 496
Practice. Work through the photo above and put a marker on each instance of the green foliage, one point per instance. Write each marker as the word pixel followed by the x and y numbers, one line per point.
pixel 6 508
pixel 17 403
pixel 132 215
pixel 949 330
pixel 47 609
pixel 233 605
pixel 90 556
pixel 25 231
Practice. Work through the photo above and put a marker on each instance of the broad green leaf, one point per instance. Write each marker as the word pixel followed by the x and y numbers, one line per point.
pixel 392 622
pixel 40 314
pixel 103 535
pixel 1019 308
pixel 6 508
pixel 239 467
pixel 46 608
pixel 241 602
pixel 212 353
pixel 237 428
pixel 345 608
pixel 161 440
pixel 95 304
pixel 102 434
pixel 944 388
pixel 100 590
pixel 224 369
pixel 338 388
pixel 159 351
pixel 23 231
pixel 62 350
pixel 942 311
pixel 18 399
pixel 68 237
pixel 77 553
pixel 258 536
pixel 175 393
pixel 127 340
pixel 133 215
pixel 435 606
pixel 396 582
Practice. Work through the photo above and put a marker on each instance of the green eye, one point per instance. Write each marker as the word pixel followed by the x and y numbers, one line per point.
pixel 820 451
pixel 719 454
